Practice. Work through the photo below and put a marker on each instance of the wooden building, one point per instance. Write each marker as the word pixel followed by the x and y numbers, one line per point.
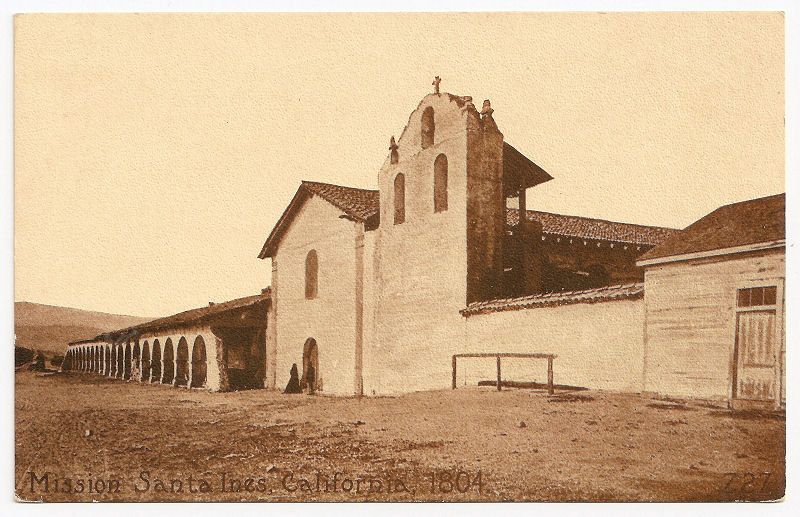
pixel 714 307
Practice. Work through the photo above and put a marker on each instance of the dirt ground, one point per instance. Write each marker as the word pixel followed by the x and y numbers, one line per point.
pixel 83 438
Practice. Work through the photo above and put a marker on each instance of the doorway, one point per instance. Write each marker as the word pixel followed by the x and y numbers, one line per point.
pixel 310 379
pixel 756 371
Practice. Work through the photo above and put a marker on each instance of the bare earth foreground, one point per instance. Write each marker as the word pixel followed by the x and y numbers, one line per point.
pixel 80 438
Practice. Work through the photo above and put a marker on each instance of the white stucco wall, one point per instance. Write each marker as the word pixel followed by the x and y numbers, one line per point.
pixel 599 345
pixel 330 318
pixel 191 334
pixel 370 372
pixel 175 335
pixel 419 266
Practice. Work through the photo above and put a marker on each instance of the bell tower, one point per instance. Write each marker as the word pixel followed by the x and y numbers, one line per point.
pixel 485 205
pixel 439 242
pixel 442 185
pixel 444 238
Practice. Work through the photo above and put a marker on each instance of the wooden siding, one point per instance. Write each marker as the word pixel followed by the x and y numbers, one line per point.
pixel 690 322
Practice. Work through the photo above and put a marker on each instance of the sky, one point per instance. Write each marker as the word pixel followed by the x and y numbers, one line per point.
pixel 154 153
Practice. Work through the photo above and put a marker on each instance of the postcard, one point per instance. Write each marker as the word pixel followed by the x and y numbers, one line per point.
pixel 471 257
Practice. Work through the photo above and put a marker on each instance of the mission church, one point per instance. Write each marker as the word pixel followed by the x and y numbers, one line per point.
pixel 374 291
pixel 369 286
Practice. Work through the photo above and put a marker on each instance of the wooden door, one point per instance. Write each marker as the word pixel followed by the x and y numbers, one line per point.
pixel 756 354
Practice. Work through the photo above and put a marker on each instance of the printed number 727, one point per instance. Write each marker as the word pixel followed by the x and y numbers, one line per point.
pixel 743 482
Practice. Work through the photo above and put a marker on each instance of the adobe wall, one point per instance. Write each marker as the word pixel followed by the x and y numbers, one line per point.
pixel 330 318
pixel 214 377
pixel 420 266
pixel 599 345
pixel 691 321
pixel 370 369
pixel 78 359
pixel 485 210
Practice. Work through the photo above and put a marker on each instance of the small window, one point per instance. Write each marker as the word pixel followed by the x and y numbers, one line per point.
pixel 440 184
pixel 770 295
pixel 756 296
pixel 399 199
pixel 428 127
pixel 743 298
pixel 312 271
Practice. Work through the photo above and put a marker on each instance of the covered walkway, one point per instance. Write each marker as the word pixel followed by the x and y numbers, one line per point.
pixel 220 347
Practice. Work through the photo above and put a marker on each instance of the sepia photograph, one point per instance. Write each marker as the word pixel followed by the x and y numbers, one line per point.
pixel 399 257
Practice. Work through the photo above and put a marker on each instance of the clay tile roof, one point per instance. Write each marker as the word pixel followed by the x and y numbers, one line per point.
pixel 363 205
pixel 97 339
pixel 182 318
pixel 195 315
pixel 355 202
pixel 756 221
pixel 596 229
pixel 599 294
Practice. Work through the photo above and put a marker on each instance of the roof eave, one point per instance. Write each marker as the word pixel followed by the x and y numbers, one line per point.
pixel 168 322
pixel 622 242
pixel 525 172
pixel 270 245
pixel 781 243
pixel 95 339
pixel 304 193
pixel 543 300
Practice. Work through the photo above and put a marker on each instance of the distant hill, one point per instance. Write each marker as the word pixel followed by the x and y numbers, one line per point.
pixel 50 328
